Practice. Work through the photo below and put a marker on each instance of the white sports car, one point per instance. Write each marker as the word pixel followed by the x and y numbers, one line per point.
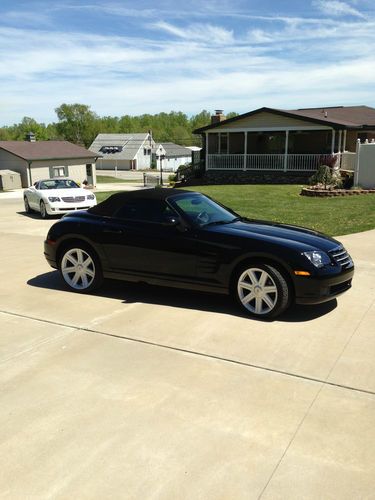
pixel 57 196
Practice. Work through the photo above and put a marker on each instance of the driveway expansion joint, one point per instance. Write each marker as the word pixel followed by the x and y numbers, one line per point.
pixel 194 353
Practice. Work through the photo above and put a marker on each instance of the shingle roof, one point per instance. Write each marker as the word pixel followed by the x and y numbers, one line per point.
pixel 336 117
pixel 130 144
pixel 45 150
pixel 175 150
pixel 351 116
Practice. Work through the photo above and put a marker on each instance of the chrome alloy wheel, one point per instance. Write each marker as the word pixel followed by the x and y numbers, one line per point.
pixel 78 268
pixel 43 210
pixel 257 291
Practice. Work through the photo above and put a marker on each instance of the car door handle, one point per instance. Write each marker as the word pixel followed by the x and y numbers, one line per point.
pixel 113 231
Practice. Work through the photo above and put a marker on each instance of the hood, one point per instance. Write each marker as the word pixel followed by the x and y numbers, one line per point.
pixel 292 236
pixel 65 192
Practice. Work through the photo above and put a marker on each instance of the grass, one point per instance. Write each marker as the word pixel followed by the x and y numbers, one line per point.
pixel 333 216
pixel 107 179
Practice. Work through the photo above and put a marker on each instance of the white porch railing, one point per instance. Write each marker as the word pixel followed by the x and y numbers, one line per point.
pixel 280 162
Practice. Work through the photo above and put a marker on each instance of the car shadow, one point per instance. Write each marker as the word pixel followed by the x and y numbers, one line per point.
pixel 130 293
pixel 36 215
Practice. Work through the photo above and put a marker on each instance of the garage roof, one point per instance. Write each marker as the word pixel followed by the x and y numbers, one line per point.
pixel 46 150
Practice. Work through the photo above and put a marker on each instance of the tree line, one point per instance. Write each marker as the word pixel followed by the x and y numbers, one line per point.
pixel 77 123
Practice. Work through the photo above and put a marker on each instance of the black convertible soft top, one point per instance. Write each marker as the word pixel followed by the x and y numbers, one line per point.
pixel 117 200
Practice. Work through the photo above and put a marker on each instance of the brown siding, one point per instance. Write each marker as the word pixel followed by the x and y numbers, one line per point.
pixel 265 119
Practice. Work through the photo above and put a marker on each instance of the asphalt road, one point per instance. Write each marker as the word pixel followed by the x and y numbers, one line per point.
pixel 141 392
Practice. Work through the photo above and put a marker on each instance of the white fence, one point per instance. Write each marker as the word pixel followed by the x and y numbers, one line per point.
pixel 364 172
pixel 280 162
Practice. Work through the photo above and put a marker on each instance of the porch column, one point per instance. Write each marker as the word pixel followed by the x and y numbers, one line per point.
pixel 245 152
pixel 333 141
pixel 340 140
pixel 286 150
pixel 206 151
pixel 344 142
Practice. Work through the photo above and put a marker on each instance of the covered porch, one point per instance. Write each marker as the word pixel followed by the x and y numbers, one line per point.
pixel 276 150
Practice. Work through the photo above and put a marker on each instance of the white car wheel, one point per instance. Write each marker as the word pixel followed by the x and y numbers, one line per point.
pixel 43 210
pixel 27 206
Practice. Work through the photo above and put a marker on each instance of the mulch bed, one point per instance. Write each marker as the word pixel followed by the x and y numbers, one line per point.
pixel 334 192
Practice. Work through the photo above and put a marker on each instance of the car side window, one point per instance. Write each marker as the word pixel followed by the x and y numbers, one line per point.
pixel 145 211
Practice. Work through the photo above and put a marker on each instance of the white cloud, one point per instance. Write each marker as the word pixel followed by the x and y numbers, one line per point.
pixel 337 8
pixel 198 32
pixel 290 62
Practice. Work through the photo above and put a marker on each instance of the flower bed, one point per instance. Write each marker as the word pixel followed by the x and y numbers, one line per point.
pixel 334 192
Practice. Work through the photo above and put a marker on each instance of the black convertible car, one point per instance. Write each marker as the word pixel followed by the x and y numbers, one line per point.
pixel 184 239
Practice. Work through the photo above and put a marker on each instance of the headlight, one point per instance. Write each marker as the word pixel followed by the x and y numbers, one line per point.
pixel 91 197
pixel 317 258
pixel 53 198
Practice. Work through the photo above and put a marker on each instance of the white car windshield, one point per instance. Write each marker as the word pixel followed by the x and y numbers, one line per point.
pixel 57 184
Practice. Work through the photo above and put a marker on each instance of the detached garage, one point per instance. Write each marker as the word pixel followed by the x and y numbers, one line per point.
pixel 37 160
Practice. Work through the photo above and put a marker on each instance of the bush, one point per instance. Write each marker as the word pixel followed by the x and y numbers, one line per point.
pixel 324 178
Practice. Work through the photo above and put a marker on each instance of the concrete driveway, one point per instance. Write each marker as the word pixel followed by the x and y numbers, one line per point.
pixel 145 393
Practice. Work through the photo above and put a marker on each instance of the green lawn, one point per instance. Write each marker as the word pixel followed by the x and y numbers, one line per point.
pixel 107 179
pixel 333 216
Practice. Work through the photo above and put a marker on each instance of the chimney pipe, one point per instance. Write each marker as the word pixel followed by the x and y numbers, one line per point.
pixel 30 137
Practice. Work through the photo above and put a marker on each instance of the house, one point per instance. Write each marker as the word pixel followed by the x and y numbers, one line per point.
pixel 282 145
pixel 123 151
pixel 174 156
pixel 35 160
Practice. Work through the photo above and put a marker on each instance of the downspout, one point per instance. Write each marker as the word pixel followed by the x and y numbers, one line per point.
pixel 29 169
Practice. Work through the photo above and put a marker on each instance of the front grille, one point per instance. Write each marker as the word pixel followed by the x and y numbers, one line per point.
pixel 73 199
pixel 341 256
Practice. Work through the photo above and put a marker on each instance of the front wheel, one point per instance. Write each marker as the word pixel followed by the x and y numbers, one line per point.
pixel 27 205
pixel 80 269
pixel 43 210
pixel 262 290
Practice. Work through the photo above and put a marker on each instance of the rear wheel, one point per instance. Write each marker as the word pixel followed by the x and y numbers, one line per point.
pixel 80 269
pixel 262 290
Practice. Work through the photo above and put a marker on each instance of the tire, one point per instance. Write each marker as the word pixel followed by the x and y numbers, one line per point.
pixel 262 291
pixel 27 206
pixel 43 210
pixel 80 268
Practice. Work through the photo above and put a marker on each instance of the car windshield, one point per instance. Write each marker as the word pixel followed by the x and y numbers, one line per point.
pixel 202 210
pixel 57 184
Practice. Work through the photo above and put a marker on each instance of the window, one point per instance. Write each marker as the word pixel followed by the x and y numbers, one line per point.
pixel 59 172
pixel 110 149
pixel 223 143
pixel 145 210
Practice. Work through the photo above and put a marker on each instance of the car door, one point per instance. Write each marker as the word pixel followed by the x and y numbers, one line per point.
pixel 139 240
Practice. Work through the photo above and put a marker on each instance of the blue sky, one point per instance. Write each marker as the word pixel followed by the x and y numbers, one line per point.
pixel 123 57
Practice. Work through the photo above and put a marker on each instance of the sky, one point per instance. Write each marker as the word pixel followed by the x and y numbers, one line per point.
pixel 133 57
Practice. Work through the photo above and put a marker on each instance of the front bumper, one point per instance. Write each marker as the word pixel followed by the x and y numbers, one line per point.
pixel 315 290
pixel 64 208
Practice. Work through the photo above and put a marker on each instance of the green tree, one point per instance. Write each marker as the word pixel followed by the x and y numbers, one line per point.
pixel 77 123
